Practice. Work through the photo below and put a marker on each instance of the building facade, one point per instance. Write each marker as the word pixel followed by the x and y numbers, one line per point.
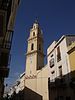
pixel 60 65
pixel 8 10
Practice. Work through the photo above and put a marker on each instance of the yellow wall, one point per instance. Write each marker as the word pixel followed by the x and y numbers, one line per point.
pixel 71 52
pixel 38 86
pixel 72 60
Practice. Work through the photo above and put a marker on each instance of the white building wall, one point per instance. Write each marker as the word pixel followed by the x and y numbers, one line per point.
pixel 64 62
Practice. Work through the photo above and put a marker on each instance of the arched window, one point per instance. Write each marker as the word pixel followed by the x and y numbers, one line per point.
pixel 32 46
pixel 33 33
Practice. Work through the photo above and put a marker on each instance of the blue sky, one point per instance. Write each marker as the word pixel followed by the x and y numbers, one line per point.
pixel 56 17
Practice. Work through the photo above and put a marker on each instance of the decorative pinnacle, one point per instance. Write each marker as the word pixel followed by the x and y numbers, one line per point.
pixel 36 20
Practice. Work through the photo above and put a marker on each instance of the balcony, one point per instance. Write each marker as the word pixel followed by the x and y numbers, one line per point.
pixel 58 57
pixel 5 47
pixel 7 41
pixel 4 71
pixel 5 8
pixel 4 4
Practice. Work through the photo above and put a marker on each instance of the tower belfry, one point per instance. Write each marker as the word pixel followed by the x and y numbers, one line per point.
pixel 35 54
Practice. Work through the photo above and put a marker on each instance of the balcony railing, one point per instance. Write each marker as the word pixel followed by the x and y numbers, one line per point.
pixel 7 41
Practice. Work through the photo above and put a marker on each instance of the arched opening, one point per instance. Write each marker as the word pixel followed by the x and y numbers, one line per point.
pixel 32 46
pixel 33 33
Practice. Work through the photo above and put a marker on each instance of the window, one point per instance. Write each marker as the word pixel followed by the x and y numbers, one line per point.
pixel 52 72
pixel 34 26
pixel 51 62
pixel 32 46
pixel 33 33
pixel 52 55
pixel 58 54
pixel 53 76
pixel 60 71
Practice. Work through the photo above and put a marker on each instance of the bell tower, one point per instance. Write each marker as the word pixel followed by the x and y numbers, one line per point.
pixel 35 54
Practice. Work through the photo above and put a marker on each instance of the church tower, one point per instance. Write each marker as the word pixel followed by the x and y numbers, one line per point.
pixel 35 53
